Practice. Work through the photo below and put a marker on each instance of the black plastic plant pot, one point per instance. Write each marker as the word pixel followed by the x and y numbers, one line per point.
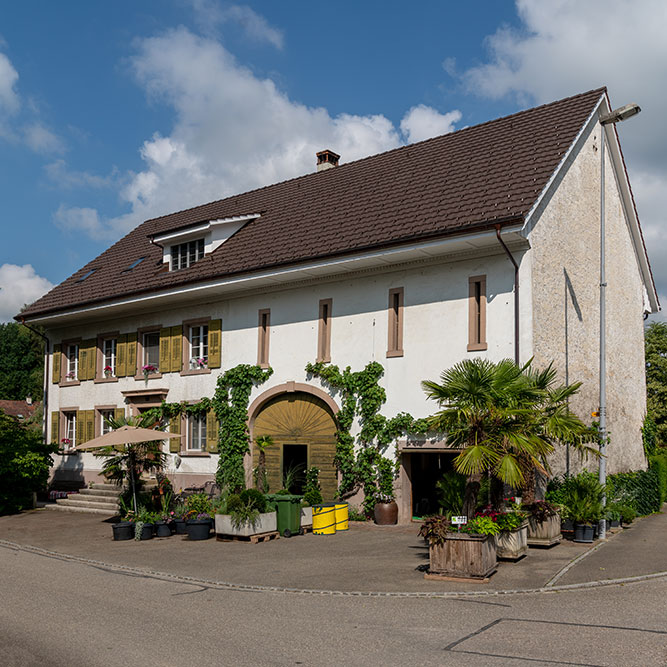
pixel 583 532
pixel 198 530
pixel 123 530
pixel 147 531
pixel 179 527
pixel 162 529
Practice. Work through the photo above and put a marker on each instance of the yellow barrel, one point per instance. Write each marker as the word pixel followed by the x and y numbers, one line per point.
pixel 324 519
pixel 342 516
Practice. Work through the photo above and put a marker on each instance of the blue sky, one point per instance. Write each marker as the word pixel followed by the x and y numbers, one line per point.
pixel 111 113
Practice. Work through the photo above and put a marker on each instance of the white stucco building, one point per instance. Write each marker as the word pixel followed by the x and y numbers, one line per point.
pixel 406 258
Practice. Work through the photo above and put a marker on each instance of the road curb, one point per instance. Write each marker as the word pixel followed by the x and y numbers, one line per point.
pixel 225 585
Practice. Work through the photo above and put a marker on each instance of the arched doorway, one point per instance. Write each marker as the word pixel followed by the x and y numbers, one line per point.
pixel 303 429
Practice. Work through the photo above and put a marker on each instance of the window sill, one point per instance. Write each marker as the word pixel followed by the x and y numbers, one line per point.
pixel 103 380
pixel 197 371
pixel 69 383
pixel 199 455
pixel 477 347
pixel 152 376
pixel 394 353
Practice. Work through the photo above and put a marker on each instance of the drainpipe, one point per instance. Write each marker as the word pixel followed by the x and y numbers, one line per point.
pixel 45 399
pixel 516 295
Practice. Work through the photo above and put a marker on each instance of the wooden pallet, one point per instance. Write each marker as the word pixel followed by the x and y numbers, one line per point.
pixel 253 539
pixel 434 576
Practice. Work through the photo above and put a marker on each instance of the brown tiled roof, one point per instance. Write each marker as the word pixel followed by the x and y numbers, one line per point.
pixel 18 409
pixel 458 182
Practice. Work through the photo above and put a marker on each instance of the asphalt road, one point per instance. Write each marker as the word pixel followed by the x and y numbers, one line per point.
pixel 58 612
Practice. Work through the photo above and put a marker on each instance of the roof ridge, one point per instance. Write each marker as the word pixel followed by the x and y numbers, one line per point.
pixel 602 89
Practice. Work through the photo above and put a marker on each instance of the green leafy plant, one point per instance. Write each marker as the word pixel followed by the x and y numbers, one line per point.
pixel 198 503
pixel 451 493
pixel 509 521
pixel 628 515
pixel 243 514
pixel 541 510
pixel 253 497
pixel 312 495
pixel 292 477
pixel 480 525
pixel 356 514
pixel 583 499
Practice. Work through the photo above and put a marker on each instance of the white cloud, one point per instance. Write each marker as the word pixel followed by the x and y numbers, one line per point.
pixel 42 140
pixel 233 132
pixel 422 122
pixel 66 178
pixel 210 15
pixel 566 46
pixel 9 99
pixel 19 285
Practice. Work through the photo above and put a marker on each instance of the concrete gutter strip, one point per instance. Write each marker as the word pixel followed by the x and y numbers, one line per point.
pixel 548 588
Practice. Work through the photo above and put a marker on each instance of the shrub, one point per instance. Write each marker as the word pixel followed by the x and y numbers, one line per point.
pixel 356 514
pixel 199 503
pixel 312 494
pixel 658 462
pixel 639 490
pixel 451 492
pixel 25 462
pixel 254 498
pixel 481 525
pixel 233 502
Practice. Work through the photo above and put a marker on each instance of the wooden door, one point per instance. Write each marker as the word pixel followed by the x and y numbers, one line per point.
pixel 298 418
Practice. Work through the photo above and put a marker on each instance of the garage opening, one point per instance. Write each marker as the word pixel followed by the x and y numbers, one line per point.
pixel 426 470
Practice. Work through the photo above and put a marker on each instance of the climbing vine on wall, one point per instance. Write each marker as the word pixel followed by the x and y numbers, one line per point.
pixel 362 396
pixel 230 404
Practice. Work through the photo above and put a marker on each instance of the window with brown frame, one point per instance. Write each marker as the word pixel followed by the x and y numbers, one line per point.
pixel 263 338
pixel 324 331
pixel 395 330
pixel 477 313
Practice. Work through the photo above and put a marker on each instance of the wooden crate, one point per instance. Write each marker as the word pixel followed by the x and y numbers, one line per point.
pixel 464 556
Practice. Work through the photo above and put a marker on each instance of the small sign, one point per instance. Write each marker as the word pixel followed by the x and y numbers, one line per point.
pixel 595 414
pixel 459 520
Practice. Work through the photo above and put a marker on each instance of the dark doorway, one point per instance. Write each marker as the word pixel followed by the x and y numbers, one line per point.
pixel 295 462
pixel 426 469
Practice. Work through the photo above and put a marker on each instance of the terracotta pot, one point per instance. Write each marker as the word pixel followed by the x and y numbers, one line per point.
pixel 386 514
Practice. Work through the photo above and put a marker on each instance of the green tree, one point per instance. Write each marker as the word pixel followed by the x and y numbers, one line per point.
pixel 655 353
pixel 25 462
pixel 506 419
pixel 21 363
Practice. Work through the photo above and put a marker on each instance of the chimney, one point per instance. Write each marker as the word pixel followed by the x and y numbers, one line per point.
pixel 327 159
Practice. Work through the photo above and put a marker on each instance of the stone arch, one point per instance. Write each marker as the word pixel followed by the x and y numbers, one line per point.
pixel 299 419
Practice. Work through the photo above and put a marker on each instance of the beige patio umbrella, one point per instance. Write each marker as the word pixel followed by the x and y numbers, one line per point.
pixel 126 435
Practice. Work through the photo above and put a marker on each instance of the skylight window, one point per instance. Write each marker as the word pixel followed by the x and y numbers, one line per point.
pixel 85 275
pixel 135 263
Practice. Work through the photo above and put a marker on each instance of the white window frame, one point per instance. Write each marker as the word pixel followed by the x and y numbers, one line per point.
pixel 109 347
pixel 72 373
pixel 104 415
pixel 144 348
pixel 196 433
pixel 186 254
pixel 70 430
pixel 198 355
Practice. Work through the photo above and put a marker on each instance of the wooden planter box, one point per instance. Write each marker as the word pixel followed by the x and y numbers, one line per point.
pixel 512 544
pixel 544 533
pixel 463 556
pixel 266 523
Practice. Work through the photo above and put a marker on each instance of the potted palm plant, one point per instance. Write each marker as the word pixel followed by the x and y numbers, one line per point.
pixel 583 498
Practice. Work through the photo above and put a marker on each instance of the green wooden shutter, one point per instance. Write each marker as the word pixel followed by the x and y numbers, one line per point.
pixel 119 413
pixel 211 431
pixel 57 357
pixel 121 356
pixel 89 417
pixel 92 359
pixel 165 349
pixel 132 354
pixel 55 428
pixel 80 427
pixel 215 343
pixel 175 427
pixel 83 358
pixel 176 363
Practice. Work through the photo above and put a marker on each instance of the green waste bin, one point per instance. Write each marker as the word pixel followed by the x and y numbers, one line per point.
pixel 288 509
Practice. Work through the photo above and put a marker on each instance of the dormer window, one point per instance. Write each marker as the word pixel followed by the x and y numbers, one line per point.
pixel 184 255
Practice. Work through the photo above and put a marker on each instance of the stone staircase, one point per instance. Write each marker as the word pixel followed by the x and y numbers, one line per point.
pixel 98 499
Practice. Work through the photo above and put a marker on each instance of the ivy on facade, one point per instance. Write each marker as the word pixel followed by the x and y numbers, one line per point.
pixel 362 396
pixel 230 404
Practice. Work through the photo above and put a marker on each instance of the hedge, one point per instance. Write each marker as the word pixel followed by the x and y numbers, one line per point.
pixel 658 462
